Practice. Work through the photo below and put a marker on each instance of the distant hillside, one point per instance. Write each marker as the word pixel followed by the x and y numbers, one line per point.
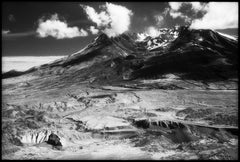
pixel 194 54
pixel 233 31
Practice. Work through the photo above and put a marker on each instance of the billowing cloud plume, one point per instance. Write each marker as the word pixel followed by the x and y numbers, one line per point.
pixel 197 6
pixel 58 29
pixel 186 10
pixel 152 31
pixel 112 20
pixel 175 6
pixel 212 15
pixel 220 15
pixel 93 30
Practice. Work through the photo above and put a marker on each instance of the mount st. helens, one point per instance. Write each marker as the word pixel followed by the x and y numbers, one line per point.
pixel 195 54
pixel 173 96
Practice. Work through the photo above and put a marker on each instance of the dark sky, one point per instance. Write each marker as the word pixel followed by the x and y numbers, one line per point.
pixel 20 19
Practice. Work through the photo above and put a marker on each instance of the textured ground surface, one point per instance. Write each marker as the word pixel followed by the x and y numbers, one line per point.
pixel 110 122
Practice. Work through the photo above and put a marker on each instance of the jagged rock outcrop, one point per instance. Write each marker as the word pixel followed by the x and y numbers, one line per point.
pixel 35 137
pixel 179 132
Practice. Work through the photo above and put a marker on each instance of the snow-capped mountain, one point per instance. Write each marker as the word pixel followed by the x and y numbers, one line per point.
pixel 160 41
pixel 204 54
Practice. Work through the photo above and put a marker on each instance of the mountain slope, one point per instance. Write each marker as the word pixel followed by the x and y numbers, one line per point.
pixel 201 52
pixel 193 54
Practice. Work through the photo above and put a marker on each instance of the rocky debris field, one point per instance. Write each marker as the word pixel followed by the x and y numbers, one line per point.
pixel 121 123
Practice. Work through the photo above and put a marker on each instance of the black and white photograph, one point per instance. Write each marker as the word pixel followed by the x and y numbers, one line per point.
pixel 96 80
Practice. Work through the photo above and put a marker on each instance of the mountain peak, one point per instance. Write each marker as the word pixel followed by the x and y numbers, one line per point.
pixel 152 51
pixel 102 37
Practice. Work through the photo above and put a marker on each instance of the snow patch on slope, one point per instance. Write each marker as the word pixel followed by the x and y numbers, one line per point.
pixel 228 36
pixel 141 37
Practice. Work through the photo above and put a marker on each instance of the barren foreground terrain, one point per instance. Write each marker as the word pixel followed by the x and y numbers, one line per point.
pixel 115 122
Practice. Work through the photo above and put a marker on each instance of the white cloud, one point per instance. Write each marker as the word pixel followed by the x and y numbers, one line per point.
pixel 174 10
pixel 83 33
pixel 220 15
pixel 58 29
pixel 175 7
pixel 175 14
pixel 112 20
pixel 100 19
pixel 93 30
pixel 152 31
pixel 197 6
pixel 4 32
